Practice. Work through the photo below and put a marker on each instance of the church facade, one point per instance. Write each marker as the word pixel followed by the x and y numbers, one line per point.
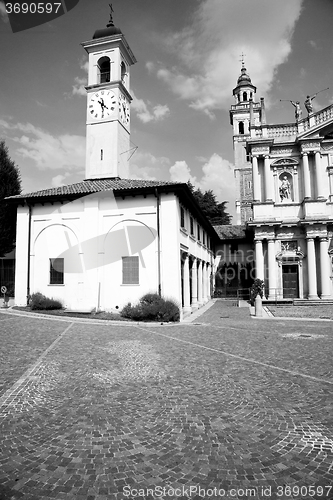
pixel 285 194
pixel 106 241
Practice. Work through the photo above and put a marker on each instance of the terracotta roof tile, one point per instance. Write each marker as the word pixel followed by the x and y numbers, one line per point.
pixel 94 186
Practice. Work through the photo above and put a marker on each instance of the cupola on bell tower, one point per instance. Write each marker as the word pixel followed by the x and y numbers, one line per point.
pixel 108 103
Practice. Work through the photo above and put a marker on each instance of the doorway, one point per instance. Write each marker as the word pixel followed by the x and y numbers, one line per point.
pixel 290 281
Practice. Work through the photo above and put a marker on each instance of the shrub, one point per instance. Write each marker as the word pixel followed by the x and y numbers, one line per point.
pixel 39 301
pixel 152 307
pixel 257 289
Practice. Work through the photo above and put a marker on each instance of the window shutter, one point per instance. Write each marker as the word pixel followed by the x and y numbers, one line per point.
pixel 130 270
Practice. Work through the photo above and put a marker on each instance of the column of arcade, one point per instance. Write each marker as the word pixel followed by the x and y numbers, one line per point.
pixel 196 282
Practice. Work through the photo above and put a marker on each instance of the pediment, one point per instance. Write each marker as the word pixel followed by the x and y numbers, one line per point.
pixel 282 162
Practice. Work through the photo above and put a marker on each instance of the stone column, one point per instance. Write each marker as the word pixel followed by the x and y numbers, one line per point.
pixel 194 298
pixel 200 301
pixel 306 176
pixel 255 179
pixel 186 284
pixel 312 273
pixel 259 259
pixel 271 270
pixel 319 180
pixel 268 180
pixel 204 283
pixel 209 270
pixel 325 271
pixel 276 186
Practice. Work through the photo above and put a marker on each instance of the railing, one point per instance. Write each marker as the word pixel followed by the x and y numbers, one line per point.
pixel 281 130
pixel 324 115
pixel 104 77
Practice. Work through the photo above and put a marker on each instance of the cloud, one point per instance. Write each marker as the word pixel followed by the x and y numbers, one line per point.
pixel 208 51
pixel 80 82
pixel 47 152
pixel 58 180
pixel 146 115
pixel 148 166
pixel 181 172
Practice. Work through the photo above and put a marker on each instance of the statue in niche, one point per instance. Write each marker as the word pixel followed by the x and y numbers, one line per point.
pixel 284 190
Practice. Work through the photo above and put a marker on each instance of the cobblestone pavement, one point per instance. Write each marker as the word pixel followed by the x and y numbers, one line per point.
pixel 226 407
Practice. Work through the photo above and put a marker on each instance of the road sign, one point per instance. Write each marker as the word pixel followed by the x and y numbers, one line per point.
pixel 3 289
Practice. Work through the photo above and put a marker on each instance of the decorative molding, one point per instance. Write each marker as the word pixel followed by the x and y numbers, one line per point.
pixel 285 161
pixel 310 146
pixel 261 150
pixel 283 151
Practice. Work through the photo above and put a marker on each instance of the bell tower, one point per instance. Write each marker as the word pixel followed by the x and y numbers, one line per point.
pixel 108 103
pixel 244 113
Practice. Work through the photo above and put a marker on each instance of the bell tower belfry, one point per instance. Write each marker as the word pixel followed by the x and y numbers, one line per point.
pixel 244 113
pixel 108 103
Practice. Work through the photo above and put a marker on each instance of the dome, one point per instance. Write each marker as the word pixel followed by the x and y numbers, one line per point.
pixel 244 78
pixel 108 31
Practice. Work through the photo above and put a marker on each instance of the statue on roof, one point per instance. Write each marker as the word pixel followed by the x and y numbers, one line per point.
pixel 309 99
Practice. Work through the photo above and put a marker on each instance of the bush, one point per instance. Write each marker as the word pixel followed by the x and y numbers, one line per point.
pixel 257 289
pixel 152 307
pixel 39 301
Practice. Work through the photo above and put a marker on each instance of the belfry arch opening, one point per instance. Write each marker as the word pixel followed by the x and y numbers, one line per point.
pixel 123 71
pixel 103 66
pixel 241 127
pixel 244 96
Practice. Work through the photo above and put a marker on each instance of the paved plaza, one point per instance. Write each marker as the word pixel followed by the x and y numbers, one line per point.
pixel 227 406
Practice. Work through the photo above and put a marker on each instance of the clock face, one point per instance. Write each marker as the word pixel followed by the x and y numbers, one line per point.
pixel 102 104
pixel 124 111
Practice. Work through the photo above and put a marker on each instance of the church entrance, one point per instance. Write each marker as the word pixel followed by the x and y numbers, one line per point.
pixel 290 281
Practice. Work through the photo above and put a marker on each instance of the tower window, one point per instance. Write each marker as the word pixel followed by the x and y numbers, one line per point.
pixel 241 128
pixel 104 69
pixel 101 154
pixel 244 96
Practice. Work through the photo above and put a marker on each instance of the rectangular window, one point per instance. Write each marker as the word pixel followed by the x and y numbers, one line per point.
pixel 203 238
pixel 130 270
pixel 192 226
pixel 182 217
pixel 56 271
pixel 198 232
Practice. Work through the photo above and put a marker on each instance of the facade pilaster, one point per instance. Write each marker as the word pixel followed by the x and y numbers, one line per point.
pixel 186 284
pixel 255 179
pixel 295 184
pixel 271 270
pixel 194 275
pixel 268 179
pixel 259 259
pixel 319 180
pixel 325 269
pixel 200 299
pixel 312 272
pixel 306 176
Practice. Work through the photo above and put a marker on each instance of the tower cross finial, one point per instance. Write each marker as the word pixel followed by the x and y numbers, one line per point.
pixel 111 12
pixel 242 59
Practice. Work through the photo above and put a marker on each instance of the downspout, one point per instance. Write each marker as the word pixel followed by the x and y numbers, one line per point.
pixel 158 242
pixel 28 268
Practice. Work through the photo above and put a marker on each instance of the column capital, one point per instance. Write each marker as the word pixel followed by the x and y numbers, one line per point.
pixel 271 240
pixel 310 238
pixel 323 238
pixel 305 153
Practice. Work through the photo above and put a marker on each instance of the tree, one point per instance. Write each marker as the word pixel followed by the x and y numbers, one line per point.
pixel 10 185
pixel 215 212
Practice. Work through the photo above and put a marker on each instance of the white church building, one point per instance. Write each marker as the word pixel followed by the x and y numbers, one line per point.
pixel 284 176
pixel 103 242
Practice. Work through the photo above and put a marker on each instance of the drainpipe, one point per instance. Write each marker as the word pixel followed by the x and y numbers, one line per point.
pixel 28 269
pixel 158 241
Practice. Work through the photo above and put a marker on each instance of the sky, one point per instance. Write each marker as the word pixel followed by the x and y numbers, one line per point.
pixel 188 60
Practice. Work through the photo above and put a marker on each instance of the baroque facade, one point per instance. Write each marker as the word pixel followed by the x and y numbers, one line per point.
pixel 285 194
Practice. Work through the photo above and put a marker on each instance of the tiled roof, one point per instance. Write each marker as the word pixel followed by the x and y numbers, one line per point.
pixel 95 186
pixel 229 232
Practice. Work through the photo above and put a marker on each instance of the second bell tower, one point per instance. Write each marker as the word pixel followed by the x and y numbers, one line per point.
pixel 108 103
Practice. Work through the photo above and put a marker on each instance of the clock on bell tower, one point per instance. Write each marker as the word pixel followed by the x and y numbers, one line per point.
pixel 108 103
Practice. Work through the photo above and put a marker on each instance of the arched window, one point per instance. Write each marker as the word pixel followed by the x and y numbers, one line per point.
pixel 244 96
pixel 241 128
pixel 103 69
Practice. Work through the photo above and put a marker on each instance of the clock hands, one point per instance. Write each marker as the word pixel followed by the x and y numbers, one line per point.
pixel 103 106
